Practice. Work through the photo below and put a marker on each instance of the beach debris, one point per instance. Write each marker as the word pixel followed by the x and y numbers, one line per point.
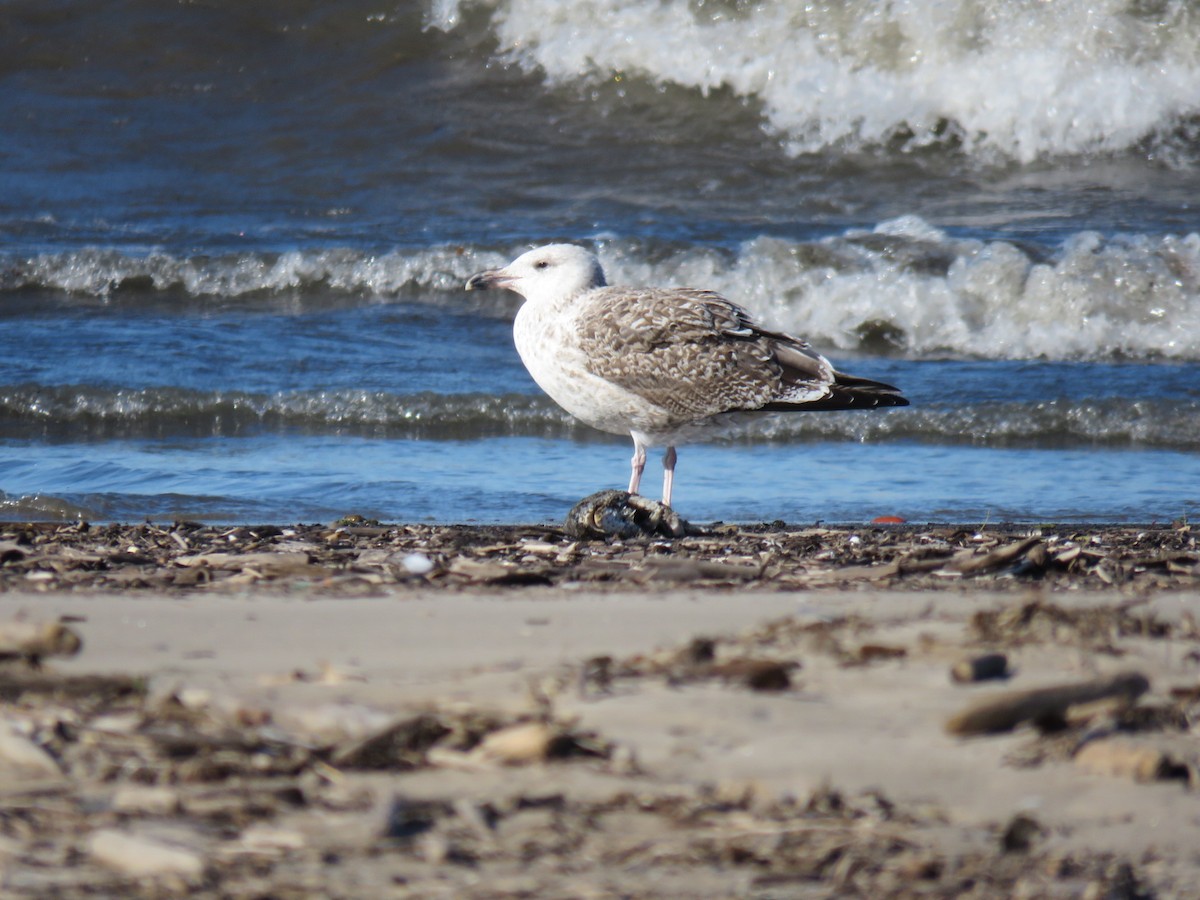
pixel 969 562
pixel 701 659
pixel 31 642
pixel 24 756
pixel 757 674
pixel 865 654
pixel 1095 626
pixel 1047 707
pixel 1130 758
pixel 657 547
pixel 987 667
pixel 398 745
pixel 522 744
pixel 416 563
pixel 621 514
pixel 1019 835
pixel 143 857
pixel 408 817
pixel 146 799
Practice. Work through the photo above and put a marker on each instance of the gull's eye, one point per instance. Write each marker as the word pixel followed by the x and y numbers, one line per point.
pixel 542 264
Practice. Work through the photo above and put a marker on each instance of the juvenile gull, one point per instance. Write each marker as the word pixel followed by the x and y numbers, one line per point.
pixel 662 365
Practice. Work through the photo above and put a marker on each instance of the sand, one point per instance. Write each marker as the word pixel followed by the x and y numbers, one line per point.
pixel 710 737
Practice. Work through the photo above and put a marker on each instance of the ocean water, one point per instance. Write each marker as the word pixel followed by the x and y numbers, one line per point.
pixel 233 240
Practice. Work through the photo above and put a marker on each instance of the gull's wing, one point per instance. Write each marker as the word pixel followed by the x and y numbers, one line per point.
pixel 696 354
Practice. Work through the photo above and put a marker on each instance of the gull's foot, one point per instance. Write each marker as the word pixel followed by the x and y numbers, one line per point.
pixel 624 515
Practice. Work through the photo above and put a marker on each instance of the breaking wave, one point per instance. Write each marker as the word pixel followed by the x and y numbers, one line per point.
pixel 1018 79
pixel 904 287
pixel 91 413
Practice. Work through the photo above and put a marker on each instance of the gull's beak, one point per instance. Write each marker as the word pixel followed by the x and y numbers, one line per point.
pixel 492 278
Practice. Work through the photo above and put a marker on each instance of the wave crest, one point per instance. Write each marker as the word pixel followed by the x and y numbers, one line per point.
pixel 909 288
pixel 1014 78
pixel 90 413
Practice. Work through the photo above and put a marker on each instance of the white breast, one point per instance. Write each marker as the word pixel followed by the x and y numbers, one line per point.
pixel 546 340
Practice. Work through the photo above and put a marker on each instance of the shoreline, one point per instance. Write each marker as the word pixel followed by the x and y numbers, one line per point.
pixel 759 712
pixel 358 557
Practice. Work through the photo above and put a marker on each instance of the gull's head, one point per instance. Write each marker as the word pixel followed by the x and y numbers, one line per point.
pixel 547 273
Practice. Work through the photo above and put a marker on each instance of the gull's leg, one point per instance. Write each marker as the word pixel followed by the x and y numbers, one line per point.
pixel 637 466
pixel 668 474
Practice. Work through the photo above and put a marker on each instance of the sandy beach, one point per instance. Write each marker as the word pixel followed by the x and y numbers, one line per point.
pixel 368 711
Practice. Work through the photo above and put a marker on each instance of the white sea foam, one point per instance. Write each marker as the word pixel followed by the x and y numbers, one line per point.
pixel 104 413
pixel 100 272
pixel 904 286
pixel 928 294
pixel 1015 78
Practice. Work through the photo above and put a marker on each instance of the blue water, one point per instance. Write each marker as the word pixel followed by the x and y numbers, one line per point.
pixel 317 479
pixel 234 241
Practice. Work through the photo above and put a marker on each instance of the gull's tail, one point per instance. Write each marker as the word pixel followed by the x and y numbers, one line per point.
pixel 846 392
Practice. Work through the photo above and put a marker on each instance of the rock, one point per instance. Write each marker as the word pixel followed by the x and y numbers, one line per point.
pixel 142 857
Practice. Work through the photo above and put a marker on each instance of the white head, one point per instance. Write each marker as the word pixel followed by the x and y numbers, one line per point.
pixel 552 272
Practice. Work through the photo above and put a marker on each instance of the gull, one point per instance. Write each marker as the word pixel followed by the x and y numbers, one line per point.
pixel 663 365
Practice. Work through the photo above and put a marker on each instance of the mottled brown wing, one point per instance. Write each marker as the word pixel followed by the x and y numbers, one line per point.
pixel 694 353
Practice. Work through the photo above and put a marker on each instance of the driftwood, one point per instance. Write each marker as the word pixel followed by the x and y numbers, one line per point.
pixel 1046 707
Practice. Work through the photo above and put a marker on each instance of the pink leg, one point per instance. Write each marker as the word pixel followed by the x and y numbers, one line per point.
pixel 638 465
pixel 668 474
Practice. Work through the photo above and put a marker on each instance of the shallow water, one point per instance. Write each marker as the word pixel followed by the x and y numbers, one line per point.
pixel 234 242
